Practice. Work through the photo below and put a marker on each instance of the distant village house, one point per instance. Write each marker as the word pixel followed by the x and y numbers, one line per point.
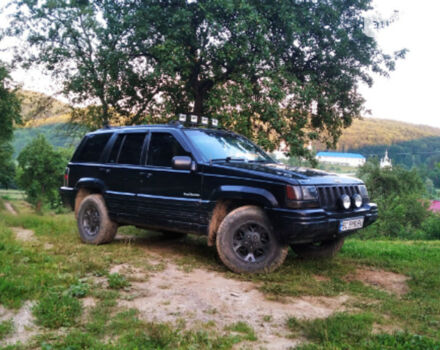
pixel 340 158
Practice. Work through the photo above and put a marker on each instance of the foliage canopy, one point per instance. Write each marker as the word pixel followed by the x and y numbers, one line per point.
pixel 9 116
pixel 267 69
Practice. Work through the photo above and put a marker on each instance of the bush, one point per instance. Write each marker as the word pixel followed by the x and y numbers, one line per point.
pixel 40 172
pixel 431 227
pixel 398 194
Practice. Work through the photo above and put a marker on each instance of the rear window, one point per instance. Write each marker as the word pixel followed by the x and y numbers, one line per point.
pixel 92 147
pixel 131 150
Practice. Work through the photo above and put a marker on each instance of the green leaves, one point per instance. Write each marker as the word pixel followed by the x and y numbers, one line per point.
pixel 40 172
pixel 273 70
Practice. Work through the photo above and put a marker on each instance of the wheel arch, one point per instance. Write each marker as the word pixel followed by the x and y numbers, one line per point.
pixel 85 187
pixel 228 198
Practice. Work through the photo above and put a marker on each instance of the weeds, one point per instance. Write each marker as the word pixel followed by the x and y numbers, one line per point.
pixel 6 328
pixel 117 281
pixel 57 310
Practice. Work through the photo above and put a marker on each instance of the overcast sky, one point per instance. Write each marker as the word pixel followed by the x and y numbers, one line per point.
pixel 412 92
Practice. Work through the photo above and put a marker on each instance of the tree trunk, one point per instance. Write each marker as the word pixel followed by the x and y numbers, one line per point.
pixel 198 104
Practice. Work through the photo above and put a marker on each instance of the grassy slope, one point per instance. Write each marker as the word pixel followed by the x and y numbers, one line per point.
pixel 372 131
pixel 61 275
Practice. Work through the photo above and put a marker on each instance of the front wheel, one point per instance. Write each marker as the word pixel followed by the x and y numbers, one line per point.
pixel 94 224
pixel 246 242
pixel 319 250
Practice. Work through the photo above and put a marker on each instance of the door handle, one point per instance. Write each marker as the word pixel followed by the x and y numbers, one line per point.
pixel 147 175
pixel 106 170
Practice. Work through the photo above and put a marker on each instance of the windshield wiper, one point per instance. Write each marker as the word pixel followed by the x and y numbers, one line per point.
pixel 227 159
pixel 259 161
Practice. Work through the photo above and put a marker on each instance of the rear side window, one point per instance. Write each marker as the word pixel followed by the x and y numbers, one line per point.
pixel 163 147
pixel 93 147
pixel 130 149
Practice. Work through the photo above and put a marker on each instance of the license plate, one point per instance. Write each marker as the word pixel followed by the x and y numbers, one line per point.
pixel 351 224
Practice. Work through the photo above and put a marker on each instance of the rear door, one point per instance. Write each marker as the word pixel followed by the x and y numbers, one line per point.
pixel 122 174
pixel 169 197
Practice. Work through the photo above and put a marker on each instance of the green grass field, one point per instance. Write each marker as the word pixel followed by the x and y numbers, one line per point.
pixel 56 271
pixel 12 194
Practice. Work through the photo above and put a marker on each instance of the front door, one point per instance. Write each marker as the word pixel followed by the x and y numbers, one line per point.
pixel 169 198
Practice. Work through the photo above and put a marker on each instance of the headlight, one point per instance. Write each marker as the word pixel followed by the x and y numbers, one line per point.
pixel 309 193
pixel 357 201
pixel 345 202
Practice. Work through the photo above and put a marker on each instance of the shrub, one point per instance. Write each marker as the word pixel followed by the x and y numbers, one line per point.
pixel 398 194
pixel 40 172
pixel 431 227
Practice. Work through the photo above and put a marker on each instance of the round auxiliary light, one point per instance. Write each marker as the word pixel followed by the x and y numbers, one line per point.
pixel 357 201
pixel 345 201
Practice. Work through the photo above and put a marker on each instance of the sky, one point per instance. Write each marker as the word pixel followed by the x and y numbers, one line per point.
pixel 411 93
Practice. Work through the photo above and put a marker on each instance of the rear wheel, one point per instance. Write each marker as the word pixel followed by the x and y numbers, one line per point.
pixel 246 242
pixel 94 224
pixel 319 250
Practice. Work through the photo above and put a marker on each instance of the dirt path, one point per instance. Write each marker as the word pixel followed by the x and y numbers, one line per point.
pixel 201 296
pixel 10 208
pixel 23 234
pixel 24 327
pixel 391 282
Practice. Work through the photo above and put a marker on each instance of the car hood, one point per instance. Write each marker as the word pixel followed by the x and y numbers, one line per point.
pixel 295 175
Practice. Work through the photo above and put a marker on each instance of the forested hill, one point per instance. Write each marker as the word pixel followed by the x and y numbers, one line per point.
pixel 39 109
pixel 371 132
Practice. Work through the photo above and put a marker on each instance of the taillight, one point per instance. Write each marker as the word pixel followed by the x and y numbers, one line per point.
pixel 66 177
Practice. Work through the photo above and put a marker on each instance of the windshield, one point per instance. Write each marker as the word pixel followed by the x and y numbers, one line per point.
pixel 225 146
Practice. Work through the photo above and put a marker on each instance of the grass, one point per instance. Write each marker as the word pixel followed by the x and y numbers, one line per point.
pixel 12 194
pixel 243 328
pixel 58 277
pixel 56 310
pixel 117 281
pixel 6 328
pixel 354 331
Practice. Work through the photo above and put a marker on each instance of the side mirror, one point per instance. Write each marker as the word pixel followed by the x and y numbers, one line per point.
pixel 182 163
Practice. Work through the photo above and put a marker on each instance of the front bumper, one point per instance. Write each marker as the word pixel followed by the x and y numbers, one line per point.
pixel 315 225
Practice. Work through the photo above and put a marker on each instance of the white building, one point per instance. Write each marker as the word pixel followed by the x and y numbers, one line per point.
pixel 340 158
pixel 385 162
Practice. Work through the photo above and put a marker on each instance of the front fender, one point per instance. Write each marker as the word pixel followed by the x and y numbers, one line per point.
pixel 259 195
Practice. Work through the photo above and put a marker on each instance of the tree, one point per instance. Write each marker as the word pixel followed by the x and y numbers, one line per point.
pixel 40 172
pixel 269 69
pixel 9 116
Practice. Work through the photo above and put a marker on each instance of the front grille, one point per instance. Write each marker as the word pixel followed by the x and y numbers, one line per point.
pixel 328 195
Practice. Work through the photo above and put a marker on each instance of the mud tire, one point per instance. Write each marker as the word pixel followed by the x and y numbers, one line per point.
pixel 94 224
pixel 238 223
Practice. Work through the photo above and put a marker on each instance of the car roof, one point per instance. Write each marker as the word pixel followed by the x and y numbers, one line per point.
pixel 175 126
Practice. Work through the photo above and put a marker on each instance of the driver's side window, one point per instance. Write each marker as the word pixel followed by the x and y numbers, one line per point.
pixel 163 147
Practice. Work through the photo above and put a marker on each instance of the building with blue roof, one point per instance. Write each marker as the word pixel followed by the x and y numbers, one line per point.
pixel 341 158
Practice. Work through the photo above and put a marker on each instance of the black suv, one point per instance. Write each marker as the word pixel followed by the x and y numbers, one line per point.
pixel 211 182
